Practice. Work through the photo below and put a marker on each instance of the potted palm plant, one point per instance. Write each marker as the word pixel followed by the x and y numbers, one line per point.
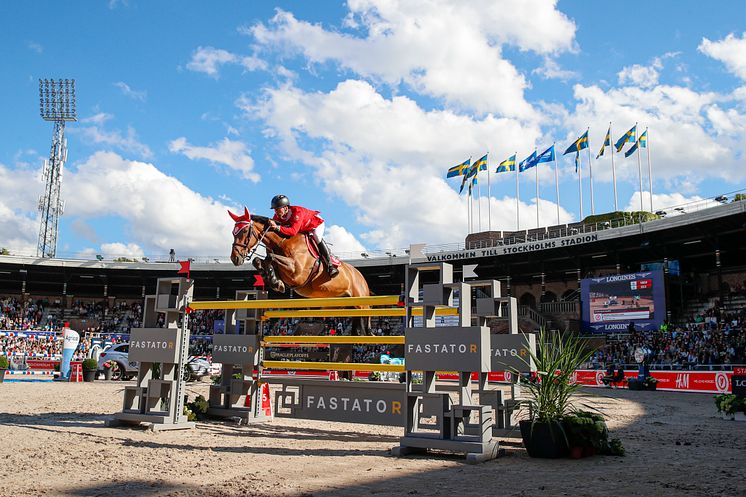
pixel 3 367
pixel 90 367
pixel 547 395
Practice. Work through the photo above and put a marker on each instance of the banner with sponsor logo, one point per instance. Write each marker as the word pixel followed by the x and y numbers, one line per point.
pixel 679 381
pixel 611 303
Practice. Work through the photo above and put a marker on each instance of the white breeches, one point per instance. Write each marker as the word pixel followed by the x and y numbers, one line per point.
pixel 318 232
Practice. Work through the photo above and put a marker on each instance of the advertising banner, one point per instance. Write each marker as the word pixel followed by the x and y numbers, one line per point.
pixel 511 352
pixel 70 343
pixel 154 345
pixel 680 381
pixel 347 402
pixel 234 349
pixel 447 349
pixel 612 303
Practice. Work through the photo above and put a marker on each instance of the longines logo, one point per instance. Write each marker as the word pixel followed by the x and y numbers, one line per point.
pixel 243 349
pixel 152 344
pixel 442 348
pixel 346 404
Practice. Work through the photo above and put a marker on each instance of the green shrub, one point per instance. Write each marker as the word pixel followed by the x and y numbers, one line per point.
pixel 3 362
pixel 197 409
pixel 90 364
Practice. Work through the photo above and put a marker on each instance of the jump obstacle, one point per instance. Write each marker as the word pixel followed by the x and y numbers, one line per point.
pixel 430 417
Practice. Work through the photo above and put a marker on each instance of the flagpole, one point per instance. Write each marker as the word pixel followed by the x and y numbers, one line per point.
pixel 580 183
pixel 517 196
pixel 613 168
pixel 479 201
pixel 556 182
pixel 639 165
pixel 468 213
pixel 590 171
pixel 489 198
pixel 537 193
pixel 650 168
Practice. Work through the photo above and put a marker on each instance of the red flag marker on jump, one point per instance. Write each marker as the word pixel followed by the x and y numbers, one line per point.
pixel 185 267
pixel 259 281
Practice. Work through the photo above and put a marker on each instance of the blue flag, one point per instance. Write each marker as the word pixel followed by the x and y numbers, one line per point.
pixel 458 170
pixel 507 165
pixel 528 162
pixel 546 156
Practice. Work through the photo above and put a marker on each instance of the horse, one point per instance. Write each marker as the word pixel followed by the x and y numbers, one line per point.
pixel 294 264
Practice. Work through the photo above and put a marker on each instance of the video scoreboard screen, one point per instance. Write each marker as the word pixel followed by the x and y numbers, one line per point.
pixel 611 303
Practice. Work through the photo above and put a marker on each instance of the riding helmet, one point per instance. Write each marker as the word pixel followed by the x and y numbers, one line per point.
pixel 280 201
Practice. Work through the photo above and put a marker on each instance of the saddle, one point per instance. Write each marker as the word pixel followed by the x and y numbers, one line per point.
pixel 314 250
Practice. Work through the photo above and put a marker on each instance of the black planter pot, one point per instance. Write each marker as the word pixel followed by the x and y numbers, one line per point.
pixel 89 375
pixel 2 374
pixel 635 384
pixel 545 440
pixel 651 386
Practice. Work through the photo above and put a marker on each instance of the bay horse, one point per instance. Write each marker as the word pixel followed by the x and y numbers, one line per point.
pixel 294 264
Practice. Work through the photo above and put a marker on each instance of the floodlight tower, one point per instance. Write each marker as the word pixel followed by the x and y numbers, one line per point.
pixel 56 104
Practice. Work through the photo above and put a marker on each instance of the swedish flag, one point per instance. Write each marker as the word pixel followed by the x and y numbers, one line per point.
pixel 459 170
pixel 629 136
pixel 470 173
pixel 642 143
pixel 507 165
pixel 607 143
pixel 579 144
pixel 481 164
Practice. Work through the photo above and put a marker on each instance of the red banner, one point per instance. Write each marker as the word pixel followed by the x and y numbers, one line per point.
pixel 677 381
pixel 41 364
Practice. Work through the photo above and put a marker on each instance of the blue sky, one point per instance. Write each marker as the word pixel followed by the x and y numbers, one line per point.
pixel 357 109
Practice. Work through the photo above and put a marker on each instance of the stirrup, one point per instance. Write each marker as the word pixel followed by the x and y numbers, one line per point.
pixel 332 271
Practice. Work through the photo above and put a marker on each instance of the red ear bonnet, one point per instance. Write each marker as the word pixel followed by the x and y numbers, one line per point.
pixel 245 217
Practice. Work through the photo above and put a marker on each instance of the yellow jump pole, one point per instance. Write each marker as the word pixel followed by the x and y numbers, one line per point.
pixel 376 300
pixel 363 340
pixel 334 366
pixel 354 313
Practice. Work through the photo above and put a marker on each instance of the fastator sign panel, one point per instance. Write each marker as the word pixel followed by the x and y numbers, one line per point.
pixel 346 402
pixel 234 349
pixel 448 348
pixel 154 345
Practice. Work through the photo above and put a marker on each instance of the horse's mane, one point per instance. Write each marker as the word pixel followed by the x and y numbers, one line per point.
pixel 259 219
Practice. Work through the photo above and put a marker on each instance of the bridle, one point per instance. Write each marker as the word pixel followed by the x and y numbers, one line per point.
pixel 244 247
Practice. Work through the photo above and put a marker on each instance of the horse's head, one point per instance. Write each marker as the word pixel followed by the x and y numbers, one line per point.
pixel 245 236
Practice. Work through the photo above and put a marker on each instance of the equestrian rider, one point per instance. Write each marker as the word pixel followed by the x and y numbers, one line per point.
pixel 290 220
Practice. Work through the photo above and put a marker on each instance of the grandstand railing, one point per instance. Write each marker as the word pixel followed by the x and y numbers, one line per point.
pixel 570 307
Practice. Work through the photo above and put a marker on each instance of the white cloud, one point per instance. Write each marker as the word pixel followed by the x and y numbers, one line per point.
pixel 692 137
pixel 352 139
pixel 36 47
pixel 159 212
pixel 98 119
pixel 731 51
pixel 127 91
pixel 128 142
pixel 209 59
pixel 19 224
pixel 552 70
pixel 642 76
pixel 231 153
pixel 443 49
pixel 668 202
pixel 342 241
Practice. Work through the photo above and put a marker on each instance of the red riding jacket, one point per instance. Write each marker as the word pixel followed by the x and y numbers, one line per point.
pixel 300 220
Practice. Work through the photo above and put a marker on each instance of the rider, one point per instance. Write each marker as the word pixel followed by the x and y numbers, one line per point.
pixel 289 220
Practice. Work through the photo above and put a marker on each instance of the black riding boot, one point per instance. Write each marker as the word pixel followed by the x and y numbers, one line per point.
pixel 326 259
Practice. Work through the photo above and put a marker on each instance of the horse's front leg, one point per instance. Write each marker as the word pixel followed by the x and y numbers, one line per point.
pixel 268 271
